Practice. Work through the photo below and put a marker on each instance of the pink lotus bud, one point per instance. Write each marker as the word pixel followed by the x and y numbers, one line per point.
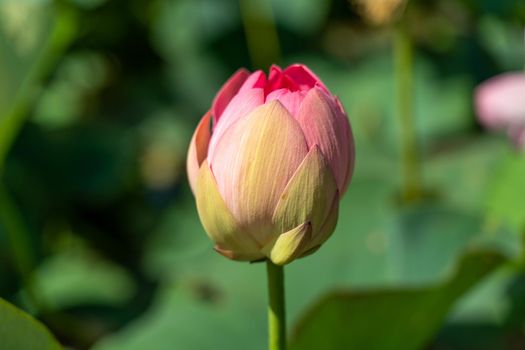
pixel 268 164
pixel 500 104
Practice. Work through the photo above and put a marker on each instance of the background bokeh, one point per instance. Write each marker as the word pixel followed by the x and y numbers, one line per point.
pixel 99 235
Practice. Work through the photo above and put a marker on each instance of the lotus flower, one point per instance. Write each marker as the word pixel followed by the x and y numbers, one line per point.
pixel 500 104
pixel 268 164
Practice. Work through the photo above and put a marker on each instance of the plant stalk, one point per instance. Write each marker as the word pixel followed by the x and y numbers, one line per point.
pixel 403 59
pixel 276 307
pixel 261 33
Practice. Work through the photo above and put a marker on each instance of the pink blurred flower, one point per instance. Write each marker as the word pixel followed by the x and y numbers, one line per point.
pixel 500 105
pixel 268 164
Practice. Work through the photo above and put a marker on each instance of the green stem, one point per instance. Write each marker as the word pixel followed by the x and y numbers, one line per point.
pixel 403 58
pixel 276 307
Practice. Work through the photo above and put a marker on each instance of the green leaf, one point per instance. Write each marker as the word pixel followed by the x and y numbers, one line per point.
pixel 505 199
pixel 389 318
pixel 429 238
pixel 18 330
pixel 62 283
pixel 215 304
pixel 463 172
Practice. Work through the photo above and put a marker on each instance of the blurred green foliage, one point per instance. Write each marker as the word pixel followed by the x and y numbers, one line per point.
pixel 99 237
pixel 404 318
pixel 18 330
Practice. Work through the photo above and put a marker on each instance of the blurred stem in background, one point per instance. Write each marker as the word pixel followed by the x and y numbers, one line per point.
pixel 261 33
pixel 276 307
pixel 403 59
pixel 60 36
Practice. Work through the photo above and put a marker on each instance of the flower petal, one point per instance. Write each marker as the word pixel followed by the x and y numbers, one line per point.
pixel 289 245
pixel 345 125
pixel 227 91
pixel 303 77
pixel 291 100
pixel 499 100
pixel 254 161
pixel 328 227
pixel 217 220
pixel 198 150
pixel 309 251
pixel 277 80
pixel 255 80
pixel 274 79
pixel 308 196
pixel 325 126
pixel 240 106
pixel 239 255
